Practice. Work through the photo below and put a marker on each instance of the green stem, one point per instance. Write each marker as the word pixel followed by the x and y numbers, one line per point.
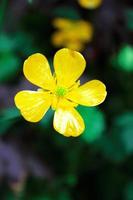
pixel 3 7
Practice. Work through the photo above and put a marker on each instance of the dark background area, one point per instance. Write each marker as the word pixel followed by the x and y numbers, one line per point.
pixel 36 163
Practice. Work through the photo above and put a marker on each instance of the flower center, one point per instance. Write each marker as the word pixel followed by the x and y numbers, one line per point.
pixel 61 91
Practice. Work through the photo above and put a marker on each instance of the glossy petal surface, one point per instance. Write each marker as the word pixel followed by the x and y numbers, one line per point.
pixel 33 105
pixel 69 65
pixel 91 93
pixel 68 122
pixel 37 71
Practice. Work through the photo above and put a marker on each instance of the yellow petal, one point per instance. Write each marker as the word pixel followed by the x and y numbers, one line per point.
pixel 65 103
pixel 62 39
pixel 90 4
pixel 33 105
pixel 61 23
pixel 61 102
pixel 84 31
pixel 76 45
pixel 91 93
pixel 68 122
pixel 58 39
pixel 37 71
pixel 69 65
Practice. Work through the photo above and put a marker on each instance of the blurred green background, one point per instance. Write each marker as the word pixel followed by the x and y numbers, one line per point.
pixel 36 163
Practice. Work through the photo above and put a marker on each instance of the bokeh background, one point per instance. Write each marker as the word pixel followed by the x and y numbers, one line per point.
pixel 36 163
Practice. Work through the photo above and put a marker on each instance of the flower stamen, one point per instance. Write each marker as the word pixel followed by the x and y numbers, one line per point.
pixel 61 91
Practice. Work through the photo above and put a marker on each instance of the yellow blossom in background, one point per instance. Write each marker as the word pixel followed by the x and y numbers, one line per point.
pixel 90 4
pixel 60 91
pixel 73 34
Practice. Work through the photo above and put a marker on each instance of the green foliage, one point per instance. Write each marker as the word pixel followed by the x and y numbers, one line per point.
pixel 6 43
pixel 9 62
pixel 112 148
pixel 118 144
pixel 30 1
pixel 7 118
pixel 9 66
pixel 3 6
pixel 46 122
pixel 10 46
pixel 94 123
pixel 63 12
pixel 124 59
pixel 10 114
pixel 125 125
pixel 129 18
pixel 24 43
pixel 128 192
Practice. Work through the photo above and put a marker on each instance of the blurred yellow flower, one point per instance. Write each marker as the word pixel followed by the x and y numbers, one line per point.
pixel 73 34
pixel 61 91
pixel 90 4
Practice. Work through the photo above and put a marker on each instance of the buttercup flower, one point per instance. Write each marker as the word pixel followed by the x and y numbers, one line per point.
pixel 61 91
pixel 73 34
pixel 90 4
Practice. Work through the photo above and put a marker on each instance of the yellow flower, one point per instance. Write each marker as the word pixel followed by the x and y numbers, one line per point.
pixel 61 91
pixel 72 34
pixel 90 4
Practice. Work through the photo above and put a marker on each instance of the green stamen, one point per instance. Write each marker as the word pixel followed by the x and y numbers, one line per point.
pixel 61 91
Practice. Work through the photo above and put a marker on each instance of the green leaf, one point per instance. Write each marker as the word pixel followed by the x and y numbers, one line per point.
pixel 128 192
pixel 24 43
pixel 4 127
pixel 64 195
pixel 118 144
pixel 124 120
pixel 124 124
pixel 6 43
pixel 124 59
pixel 129 18
pixel 7 119
pixel 10 113
pixel 66 12
pixel 111 147
pixel 71 180
pixel 9 65
pixel 94 123
pixel 3 7
pixel 47 122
